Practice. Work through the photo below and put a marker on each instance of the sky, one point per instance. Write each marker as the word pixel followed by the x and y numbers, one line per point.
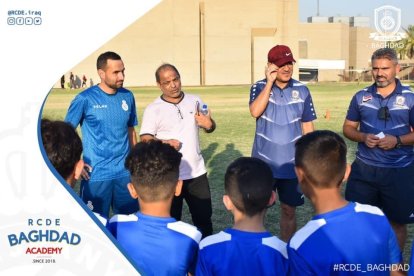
pixel 355 8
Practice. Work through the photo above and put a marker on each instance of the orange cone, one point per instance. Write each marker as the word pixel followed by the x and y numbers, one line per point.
pixel 327 114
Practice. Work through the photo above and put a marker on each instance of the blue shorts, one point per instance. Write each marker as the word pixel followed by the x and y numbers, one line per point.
pixel 99 196
pixel 391 189
pixel 289 191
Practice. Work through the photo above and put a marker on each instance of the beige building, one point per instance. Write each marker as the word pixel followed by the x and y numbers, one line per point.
pixel 334 51
pixel 214 42
pixel 211 42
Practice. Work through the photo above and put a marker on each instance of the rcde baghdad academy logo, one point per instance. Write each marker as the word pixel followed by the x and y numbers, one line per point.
pixel 387 23
pixel 43 239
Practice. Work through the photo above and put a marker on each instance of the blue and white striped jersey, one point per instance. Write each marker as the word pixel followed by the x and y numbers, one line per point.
pixel 280 125
pixel 364 108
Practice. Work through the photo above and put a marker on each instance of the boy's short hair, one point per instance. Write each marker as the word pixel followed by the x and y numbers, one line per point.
pixel 249 184
pixel 62 144
pixel 154 168
pixel 322 156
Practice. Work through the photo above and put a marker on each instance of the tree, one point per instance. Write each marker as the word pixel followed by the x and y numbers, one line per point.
pixel 407 49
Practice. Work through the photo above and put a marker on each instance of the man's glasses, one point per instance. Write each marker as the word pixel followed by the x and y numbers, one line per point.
pixel 180 115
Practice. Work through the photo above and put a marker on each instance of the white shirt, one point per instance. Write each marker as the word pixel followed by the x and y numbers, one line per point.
pixel 165 120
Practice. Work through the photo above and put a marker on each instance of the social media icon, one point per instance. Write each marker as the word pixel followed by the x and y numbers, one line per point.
pixel 28 21
pixel 20 20
pixel 37 20
pixel 11 20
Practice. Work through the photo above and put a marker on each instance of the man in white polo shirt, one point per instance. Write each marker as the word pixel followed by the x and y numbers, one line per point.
pixel 175 119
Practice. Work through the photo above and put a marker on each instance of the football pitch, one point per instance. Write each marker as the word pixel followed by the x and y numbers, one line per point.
pixel 234 135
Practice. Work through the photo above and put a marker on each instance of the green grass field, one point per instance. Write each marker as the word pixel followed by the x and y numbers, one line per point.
pixel 235 132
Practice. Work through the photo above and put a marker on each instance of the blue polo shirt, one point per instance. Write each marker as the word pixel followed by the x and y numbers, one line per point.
pixel 364 108
pixel 104 119
pixel 355 234
pixel 280 125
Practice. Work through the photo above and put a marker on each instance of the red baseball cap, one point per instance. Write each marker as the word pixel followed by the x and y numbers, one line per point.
pixel 280 55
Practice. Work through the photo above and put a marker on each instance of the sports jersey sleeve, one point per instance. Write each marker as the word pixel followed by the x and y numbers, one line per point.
pixel 297 265
pixel 202 268
pixel 148 124
pixel 133 119
pixel 309 113
pixel 193 262
pixel 76 111
pixel 112 227
pixel 256 89
pixel 353 111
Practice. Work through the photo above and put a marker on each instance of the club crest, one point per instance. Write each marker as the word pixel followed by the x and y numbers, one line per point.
pixel 124 105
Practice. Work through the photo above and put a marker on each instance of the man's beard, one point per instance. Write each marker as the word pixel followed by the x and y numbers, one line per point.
pixel 382 83
pixel 116 85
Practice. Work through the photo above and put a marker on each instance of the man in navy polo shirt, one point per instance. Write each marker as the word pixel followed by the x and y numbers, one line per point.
pixel 380 118
pixel 284 111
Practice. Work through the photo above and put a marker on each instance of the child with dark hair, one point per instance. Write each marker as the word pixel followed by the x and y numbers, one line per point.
pixel 246 248
pixel 341 234
pixel 63 147
pixel 157 243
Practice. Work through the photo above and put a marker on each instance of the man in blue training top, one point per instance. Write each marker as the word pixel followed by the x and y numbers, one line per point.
pixel 156 242
pixel 341 234
pixel 107 115
pixel 246 248
pixel 284 111
pixel 381 118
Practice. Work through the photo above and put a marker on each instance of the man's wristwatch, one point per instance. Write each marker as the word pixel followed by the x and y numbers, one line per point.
pixel 399 144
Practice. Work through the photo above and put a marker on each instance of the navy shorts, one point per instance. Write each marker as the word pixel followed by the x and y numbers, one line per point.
pixel 99 196
pixel 289 191
pixel 391 189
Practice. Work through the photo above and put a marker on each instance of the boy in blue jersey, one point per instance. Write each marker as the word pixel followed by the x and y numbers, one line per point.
pixel 107 115
pixel 246 248
pixel 156 242
pixel 381 119
pixel 284 110
pixel 343 238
